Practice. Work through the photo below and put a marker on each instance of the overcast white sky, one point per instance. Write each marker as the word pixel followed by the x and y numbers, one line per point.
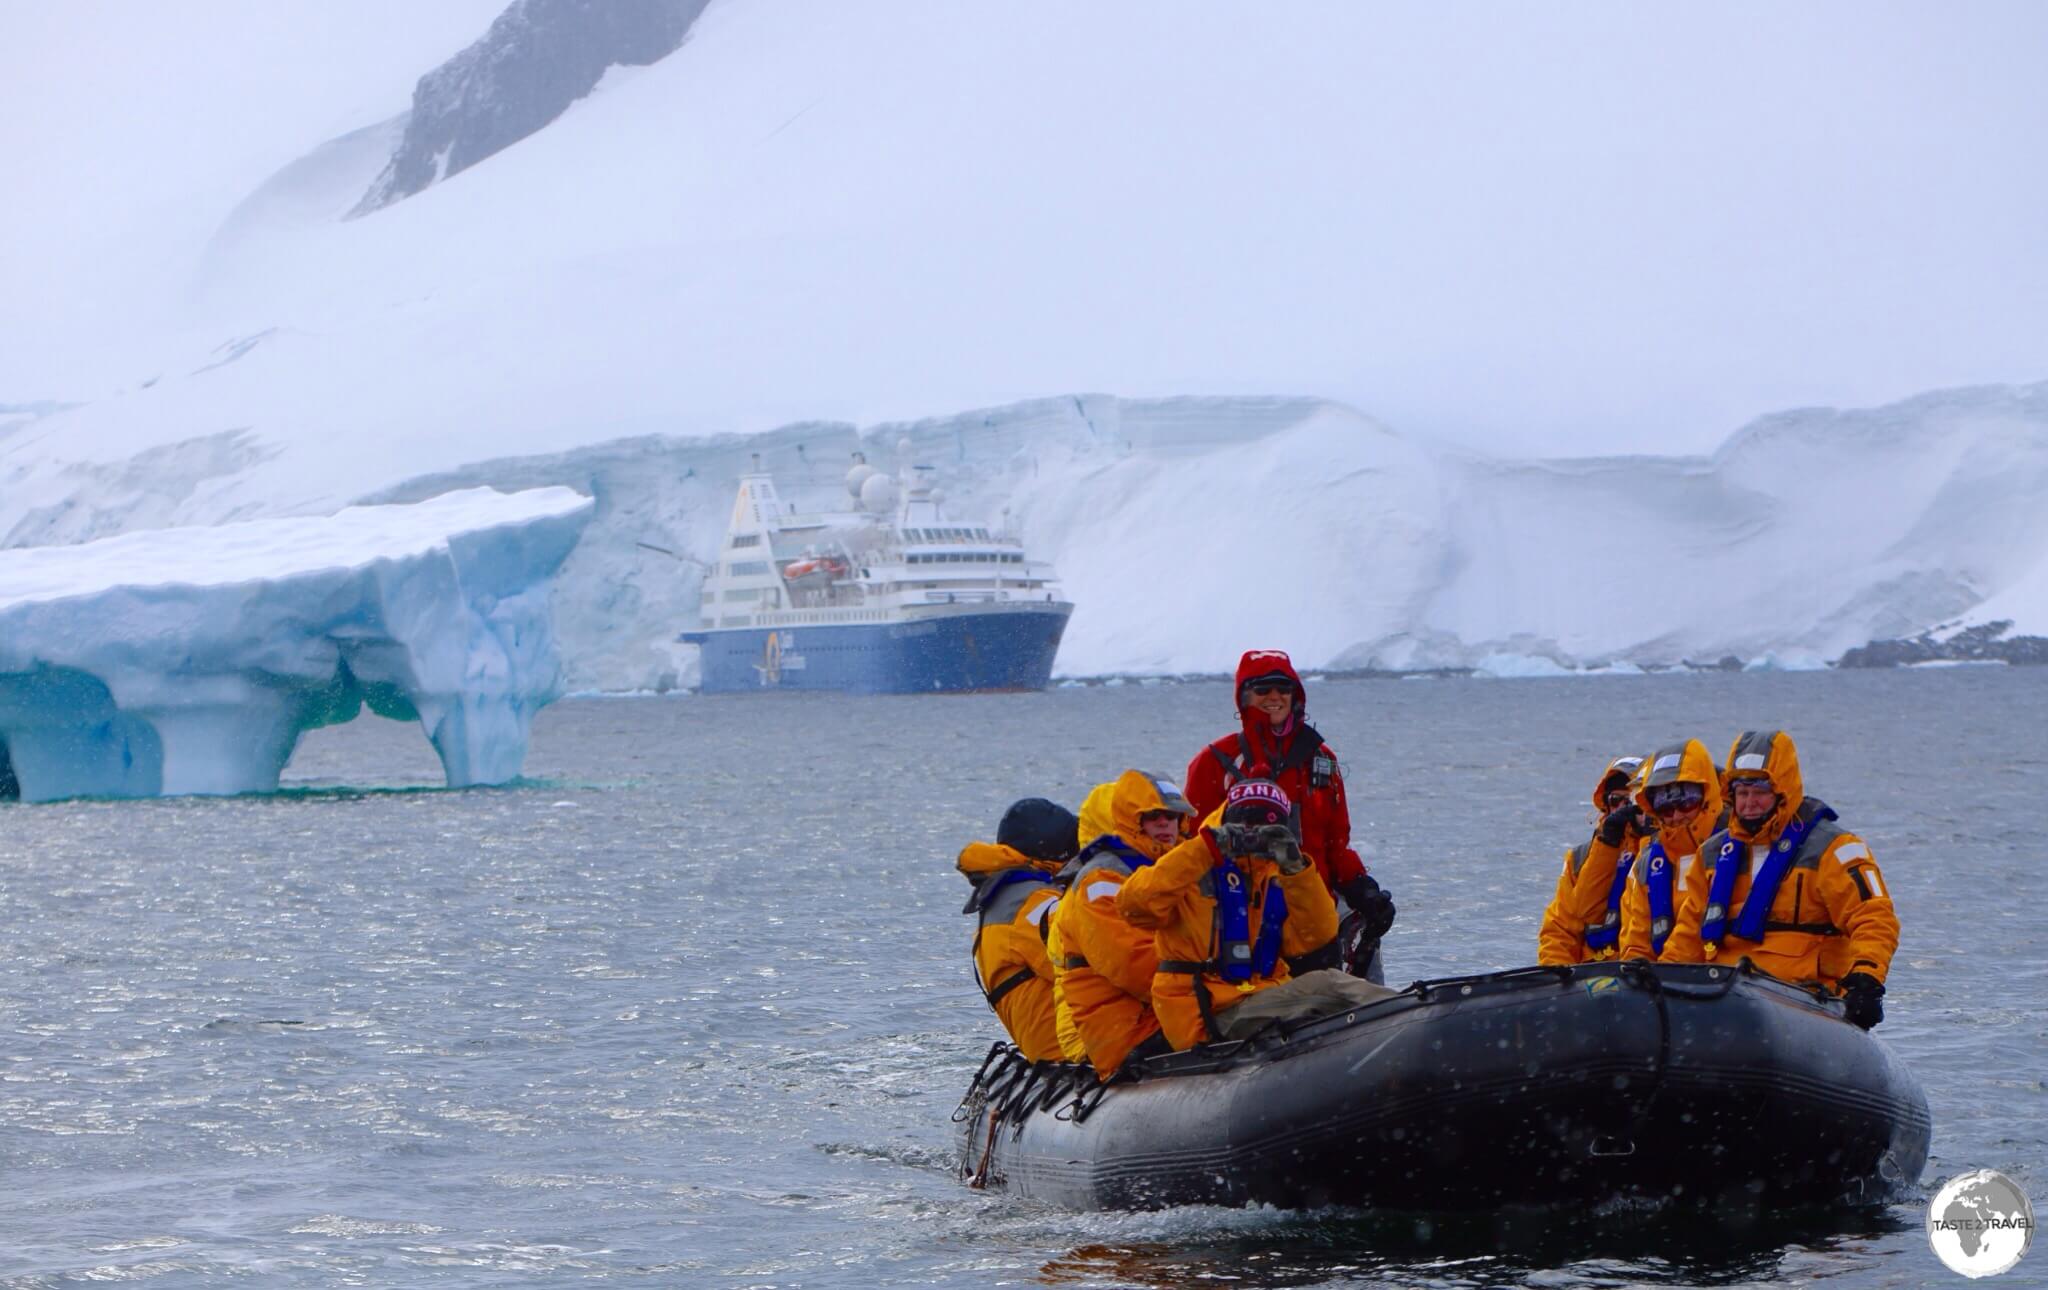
pixel 129 128
pixel 1622 211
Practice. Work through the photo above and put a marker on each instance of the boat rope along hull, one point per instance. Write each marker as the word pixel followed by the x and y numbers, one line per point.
pixel 1550 1086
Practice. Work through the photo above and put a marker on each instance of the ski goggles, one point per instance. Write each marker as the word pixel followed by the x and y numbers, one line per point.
pixel 1665 798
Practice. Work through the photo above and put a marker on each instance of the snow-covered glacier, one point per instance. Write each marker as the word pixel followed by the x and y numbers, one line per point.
pixel 1188 529
pixel 190 660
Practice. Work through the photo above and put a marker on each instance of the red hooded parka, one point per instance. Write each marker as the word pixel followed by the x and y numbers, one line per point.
pixel 1295 757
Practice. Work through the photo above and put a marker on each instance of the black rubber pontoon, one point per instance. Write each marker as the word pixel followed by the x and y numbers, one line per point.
pixel 1539 1087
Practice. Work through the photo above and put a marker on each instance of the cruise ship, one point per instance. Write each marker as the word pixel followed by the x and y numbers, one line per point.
pixel 886 597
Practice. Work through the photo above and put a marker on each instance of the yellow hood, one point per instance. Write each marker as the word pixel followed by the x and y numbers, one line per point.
pixel 1771 754
pixel 1626 767
pixel 1115 807
pixel 980 859
pixel 1686 763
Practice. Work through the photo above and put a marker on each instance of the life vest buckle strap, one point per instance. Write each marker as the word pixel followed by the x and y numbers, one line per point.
pixel 1196 970
pixel 1009 983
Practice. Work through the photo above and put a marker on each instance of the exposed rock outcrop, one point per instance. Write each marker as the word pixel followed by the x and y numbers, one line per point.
pixel 538 57
pixel 1984 643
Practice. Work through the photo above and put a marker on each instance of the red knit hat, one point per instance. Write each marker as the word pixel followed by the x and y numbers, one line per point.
pixel 1256 801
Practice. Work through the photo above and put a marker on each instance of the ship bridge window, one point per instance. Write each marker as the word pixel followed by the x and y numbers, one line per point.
pixel 742 593
pixel 746 539
pixel 746 568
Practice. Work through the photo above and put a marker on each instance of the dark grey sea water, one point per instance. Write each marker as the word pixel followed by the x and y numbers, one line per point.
pixel 691 1005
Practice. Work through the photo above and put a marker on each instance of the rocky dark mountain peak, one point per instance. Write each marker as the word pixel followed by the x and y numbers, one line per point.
pixel 538 57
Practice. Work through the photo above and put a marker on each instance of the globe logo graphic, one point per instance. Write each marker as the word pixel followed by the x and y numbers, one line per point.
pixel 1980 1224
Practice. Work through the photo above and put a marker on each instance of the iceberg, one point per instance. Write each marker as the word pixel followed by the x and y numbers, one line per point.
pixel 190 660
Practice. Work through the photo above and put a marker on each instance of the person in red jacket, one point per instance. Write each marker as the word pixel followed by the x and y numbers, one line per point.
pixel 1276 742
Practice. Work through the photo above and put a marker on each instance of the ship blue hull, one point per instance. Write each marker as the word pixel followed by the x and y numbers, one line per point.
pixel 1005 650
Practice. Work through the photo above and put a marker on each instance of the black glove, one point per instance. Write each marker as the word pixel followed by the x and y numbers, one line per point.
pixel 1860 994
pixel 1277 841
pixel 1615 826
pixel 1369 899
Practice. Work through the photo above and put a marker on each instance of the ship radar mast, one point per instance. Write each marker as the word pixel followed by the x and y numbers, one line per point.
pixel 921 503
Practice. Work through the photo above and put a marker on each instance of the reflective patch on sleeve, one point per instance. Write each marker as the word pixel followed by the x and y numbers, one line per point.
pixel 1036 915
pixel 1854 851
pixel 1100 888
pixel 1867 882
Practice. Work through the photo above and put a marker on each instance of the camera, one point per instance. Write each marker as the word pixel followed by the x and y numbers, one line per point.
pixel 1239 840
pixel 1242 840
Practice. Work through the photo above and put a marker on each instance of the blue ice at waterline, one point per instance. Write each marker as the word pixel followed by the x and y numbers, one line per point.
pixel 191 660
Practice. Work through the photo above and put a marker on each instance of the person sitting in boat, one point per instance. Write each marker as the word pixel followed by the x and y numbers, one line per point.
pixel 1275 740
pixel 1679 789
pixel 1230 906
pixel 1787 888
pixel 1015 887
pixel 1583 922
pixel 1103 966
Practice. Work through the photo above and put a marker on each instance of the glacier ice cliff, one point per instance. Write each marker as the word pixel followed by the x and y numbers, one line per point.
pixel 1805 535
pixel 190 660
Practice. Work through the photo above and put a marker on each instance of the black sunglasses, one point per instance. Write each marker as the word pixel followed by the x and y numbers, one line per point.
pixel 1265 688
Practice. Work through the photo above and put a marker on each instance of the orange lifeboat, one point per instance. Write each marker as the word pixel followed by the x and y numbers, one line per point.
pixel 814 566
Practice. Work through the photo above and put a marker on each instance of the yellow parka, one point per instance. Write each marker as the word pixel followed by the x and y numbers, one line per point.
pixel 1832 914
pixel 1682 763
pixel 1011 900
pixel 1103 966
pixel 1176 896
pixel 1580 901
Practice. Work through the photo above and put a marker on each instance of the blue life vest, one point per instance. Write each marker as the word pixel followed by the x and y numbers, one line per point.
pixel 1238 958
pixel 1763 888
pixel 1608 932
pixel 1124 851
pixel 1658 880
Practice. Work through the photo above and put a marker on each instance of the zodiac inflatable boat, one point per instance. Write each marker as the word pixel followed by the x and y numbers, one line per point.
pixel 1537 1087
